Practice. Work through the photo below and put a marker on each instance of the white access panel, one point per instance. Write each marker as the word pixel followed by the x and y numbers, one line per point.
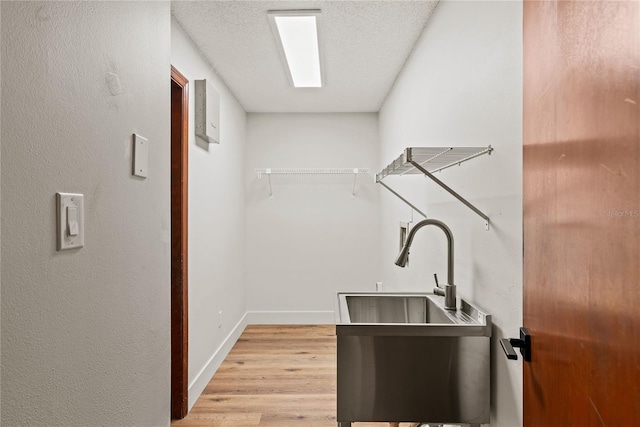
pixel 207 116
pixel 140 156
pixel 70 229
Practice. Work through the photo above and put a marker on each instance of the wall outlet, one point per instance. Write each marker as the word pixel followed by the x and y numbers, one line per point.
pixel 220 319
pixel 378 286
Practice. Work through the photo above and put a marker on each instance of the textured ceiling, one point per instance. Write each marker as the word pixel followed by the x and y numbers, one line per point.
pixel 364 44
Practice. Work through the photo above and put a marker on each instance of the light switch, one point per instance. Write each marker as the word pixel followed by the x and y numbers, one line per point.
pixel 72 221
pixel 140 156
pixel 70 227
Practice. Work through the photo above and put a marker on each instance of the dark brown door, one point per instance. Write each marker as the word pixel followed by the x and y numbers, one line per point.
pixel 581 212
pixel 179 187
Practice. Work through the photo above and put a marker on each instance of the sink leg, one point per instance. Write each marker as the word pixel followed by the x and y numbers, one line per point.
pixel 344 423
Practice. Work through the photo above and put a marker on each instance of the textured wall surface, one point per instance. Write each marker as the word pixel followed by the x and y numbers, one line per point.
pixel 216 222
pixel 311 239
pixel 463 86
pixel 0 228
pixel 85 333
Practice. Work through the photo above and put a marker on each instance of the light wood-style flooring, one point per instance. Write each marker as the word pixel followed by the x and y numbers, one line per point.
pixel 279 376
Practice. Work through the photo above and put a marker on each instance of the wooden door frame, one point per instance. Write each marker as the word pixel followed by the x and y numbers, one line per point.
pixel 179 222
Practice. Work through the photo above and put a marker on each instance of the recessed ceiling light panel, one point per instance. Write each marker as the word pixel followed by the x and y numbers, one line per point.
pixel 297 34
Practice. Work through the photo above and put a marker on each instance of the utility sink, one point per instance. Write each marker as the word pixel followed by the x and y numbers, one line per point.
pixel 402 357
pixel 408 314
pixel 393 309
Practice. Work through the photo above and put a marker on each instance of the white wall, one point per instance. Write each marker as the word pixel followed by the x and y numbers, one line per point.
pixel 0 230
pixel 311 239
pixel 463 86
pixel 85 333
pixel 216 223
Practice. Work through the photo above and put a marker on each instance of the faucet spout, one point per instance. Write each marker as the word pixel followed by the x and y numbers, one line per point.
pixel 403 256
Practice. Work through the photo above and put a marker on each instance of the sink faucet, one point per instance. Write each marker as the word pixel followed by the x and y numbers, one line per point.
pixel 449 292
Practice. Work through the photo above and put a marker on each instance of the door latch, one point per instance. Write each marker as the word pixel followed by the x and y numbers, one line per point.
pixel 523 343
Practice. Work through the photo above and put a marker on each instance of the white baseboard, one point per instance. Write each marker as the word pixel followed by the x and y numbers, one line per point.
pixel 290 317
pixel 198 385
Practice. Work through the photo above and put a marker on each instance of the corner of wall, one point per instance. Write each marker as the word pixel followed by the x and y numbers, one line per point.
pixel 202 378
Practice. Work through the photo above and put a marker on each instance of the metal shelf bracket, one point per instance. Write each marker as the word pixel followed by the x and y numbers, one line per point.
pixel 395 193
pixel 453 193
pixel 416 160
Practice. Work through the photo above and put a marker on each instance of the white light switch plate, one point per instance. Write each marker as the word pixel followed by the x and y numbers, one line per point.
pixel 140 156
pixel 70 229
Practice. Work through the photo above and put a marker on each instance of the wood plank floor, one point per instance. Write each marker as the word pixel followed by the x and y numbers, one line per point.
pixel 279 376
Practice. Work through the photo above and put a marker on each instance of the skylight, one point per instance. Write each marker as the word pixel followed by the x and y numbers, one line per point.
pixel 297 34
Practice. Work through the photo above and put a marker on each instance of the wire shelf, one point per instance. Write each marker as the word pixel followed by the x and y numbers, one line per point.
pixel 433 159
pixel 429 160
pixel 311 176
pixel 311 171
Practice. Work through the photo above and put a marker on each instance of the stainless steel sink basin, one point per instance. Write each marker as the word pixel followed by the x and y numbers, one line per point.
pixel 394 309
pixel 403 358
pixel 419 314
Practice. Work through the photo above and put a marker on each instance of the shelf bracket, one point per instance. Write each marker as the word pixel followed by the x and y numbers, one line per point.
pixel 268 172
pixel 452 192
pixel 353 190
pixel 402 198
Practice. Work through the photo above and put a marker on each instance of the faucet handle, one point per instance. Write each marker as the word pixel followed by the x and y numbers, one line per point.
pixel 438 289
